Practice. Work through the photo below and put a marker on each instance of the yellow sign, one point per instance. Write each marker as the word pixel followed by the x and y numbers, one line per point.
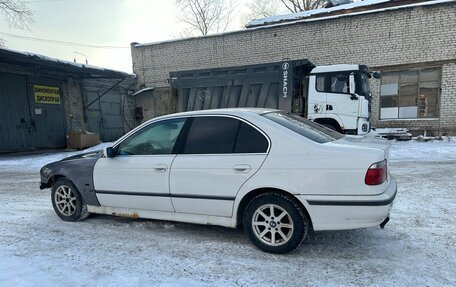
pixel 46 94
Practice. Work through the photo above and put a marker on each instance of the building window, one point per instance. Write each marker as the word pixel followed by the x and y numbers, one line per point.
pixel 410 94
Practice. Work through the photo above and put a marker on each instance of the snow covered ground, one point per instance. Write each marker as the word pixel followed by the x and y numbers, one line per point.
pixel 417 247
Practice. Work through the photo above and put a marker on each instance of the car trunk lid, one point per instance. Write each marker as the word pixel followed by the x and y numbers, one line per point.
pixel 366 141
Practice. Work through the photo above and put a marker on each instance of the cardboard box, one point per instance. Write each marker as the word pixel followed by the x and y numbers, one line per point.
pixel 82 139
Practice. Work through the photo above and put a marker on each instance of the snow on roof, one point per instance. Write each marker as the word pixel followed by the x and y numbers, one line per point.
pixel 36 56
pixel 142 91
pixel 320 13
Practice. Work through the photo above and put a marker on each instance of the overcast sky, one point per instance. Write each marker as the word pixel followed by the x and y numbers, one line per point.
pixel 99 22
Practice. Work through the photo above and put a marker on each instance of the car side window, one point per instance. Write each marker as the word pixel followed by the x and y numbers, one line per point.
pixel 250 140
pixel 211 135
pixel 222 135
pixel 156 138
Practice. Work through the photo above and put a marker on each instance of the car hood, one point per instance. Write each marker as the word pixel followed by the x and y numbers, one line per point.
pixel 86 155
pixel 93 155
pixel 82 156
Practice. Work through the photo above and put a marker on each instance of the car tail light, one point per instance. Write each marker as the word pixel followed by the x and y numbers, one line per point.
pixel 377 173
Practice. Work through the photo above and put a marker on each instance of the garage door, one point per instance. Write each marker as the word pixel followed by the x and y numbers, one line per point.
pixel 47 112
pixel 31 114
pixel 16 128
pixel 105 115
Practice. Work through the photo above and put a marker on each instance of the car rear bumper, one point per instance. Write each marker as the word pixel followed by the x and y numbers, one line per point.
pixel 350 212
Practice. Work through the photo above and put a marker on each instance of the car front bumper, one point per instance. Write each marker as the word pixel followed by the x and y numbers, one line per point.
pixel 44 185
pixel 350 212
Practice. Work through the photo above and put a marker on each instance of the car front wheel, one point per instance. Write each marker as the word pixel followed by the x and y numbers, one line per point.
pixel 275 223
pixel 67 201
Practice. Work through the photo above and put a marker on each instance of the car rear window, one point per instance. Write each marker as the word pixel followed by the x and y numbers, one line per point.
pixel 304 127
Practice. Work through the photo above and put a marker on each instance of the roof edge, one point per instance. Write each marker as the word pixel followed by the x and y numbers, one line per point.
pixel 17 57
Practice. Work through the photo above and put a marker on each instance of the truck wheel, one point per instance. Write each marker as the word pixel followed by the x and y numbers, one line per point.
pixel 67 201
pixel 274 223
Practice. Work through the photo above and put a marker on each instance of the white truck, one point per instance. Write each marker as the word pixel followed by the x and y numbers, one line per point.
pixel 337 96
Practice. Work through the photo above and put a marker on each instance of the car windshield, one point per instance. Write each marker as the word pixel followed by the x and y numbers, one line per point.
pixel 304 127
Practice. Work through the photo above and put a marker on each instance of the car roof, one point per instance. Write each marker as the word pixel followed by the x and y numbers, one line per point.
pixel 229 111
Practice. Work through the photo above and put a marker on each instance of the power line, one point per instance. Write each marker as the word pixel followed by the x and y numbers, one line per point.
pixel 74 44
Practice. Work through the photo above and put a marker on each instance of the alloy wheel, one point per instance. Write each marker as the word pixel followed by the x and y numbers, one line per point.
pixel 65 200
pixel 272 224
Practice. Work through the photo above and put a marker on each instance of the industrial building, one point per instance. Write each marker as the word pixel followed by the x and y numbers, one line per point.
pixel 43 99
pixel 412 44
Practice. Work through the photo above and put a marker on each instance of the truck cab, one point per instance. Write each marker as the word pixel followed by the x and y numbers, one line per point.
pixel 339 97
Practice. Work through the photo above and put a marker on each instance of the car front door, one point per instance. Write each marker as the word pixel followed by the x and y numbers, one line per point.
pixel 138 175
pixel 219 155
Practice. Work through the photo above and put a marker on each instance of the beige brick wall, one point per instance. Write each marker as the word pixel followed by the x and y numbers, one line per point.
pixel 73 105
pixel 155 103
pixel 399 37
pixel 448 100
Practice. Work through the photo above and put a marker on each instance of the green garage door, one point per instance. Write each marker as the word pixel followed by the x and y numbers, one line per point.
pixel 48 115
pixel 16 127
pixel 31 115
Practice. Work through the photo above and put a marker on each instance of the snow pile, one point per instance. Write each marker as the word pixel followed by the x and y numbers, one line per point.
pixel 33 162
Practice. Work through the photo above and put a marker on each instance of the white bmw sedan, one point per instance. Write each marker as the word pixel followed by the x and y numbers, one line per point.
pixel 279 176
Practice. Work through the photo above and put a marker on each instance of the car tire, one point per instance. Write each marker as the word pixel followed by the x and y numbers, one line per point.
pixel 67 201
pixel 280 231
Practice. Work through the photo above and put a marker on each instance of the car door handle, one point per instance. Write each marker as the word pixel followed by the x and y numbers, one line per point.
pixel 242 168
pixel 160 168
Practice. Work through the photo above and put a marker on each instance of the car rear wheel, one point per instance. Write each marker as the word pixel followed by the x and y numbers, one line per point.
pixel 67 201
pixel 274 223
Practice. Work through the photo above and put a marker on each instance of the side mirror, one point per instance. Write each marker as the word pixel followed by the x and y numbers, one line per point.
pixel 108 152
pixel 376 75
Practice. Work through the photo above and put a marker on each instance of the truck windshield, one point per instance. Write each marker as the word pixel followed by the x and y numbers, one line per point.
pixel 363 83
pixel 304 127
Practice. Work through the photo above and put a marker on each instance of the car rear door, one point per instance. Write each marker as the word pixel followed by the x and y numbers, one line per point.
pixel 138 175
pixel 219 155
